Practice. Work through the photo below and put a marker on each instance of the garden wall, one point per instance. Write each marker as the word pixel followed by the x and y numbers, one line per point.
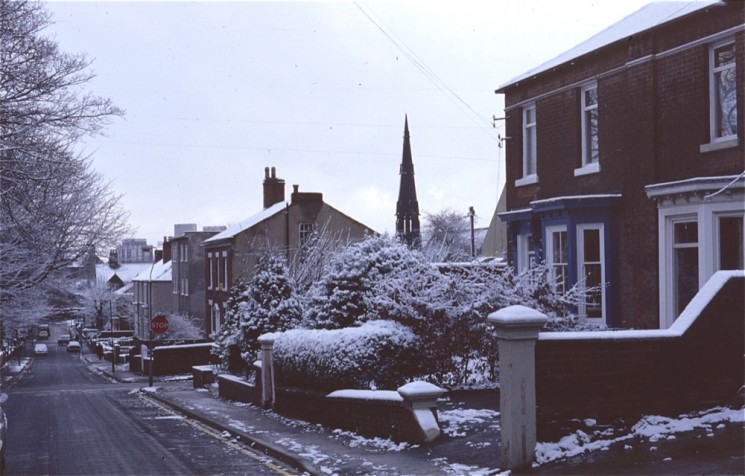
pixel 177 359
pixel 696 363
pixel 380 413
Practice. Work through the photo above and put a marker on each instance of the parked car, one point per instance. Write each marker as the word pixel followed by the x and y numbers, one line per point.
pixel 63 340
pixel 40 349
pixel 43 332
pixel 73 346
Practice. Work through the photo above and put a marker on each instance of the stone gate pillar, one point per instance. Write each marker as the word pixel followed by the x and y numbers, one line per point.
pixel 267 370
pixel 517 331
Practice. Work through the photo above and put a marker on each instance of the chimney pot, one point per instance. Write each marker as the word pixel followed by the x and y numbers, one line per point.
pixel 295 188
pixel 274 188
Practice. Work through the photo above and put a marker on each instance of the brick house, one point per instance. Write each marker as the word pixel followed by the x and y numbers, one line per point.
pixel 234 253
pixel 625 161
pixel 188 270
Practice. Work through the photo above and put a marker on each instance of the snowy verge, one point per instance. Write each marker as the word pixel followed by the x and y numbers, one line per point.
pixel 651 427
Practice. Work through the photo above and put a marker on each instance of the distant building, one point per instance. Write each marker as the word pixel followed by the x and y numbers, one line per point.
pixel 189 273
pixel 494 242
pixel 134 250
pixel 281 226
pixel 180 229
pixel 625 161
pixel 151 295
pixel 407 206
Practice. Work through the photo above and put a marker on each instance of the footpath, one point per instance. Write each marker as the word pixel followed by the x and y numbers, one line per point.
pixel 469 444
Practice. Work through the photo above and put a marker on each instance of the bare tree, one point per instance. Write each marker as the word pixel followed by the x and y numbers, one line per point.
pixel 53 206
pixel 446 236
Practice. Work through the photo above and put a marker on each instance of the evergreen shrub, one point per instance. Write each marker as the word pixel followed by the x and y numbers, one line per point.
pixel 374 355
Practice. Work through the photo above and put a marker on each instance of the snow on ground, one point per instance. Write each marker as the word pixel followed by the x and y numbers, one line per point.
pixel 652 428
pixel 455 423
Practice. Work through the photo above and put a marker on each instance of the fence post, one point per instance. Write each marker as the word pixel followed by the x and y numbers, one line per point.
pixel 517 332
pixel 267 371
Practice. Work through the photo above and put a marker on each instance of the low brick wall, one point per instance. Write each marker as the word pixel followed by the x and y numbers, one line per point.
pixel 179 359
pixel 237 389
pixel 696 363
pixel 386 417
pixel 202 376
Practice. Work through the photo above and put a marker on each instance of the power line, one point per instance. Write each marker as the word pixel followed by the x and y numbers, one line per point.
pixel 426 70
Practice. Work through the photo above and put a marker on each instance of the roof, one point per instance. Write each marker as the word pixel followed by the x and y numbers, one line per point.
pixel 646 18
pixel 126 271
pixel 248 223
pixel 159 271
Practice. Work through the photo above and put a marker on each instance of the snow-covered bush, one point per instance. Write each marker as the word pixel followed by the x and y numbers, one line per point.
pixel 381 278
pixel 266 304
pixel 271 304
pixel 376 354
pixel 345 294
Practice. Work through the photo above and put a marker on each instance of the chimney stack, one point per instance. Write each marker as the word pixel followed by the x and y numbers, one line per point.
pixel 274 188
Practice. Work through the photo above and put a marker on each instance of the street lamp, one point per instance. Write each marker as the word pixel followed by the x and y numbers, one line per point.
pixel 111 338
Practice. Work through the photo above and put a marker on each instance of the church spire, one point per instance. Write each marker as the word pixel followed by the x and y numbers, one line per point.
pixel 407 207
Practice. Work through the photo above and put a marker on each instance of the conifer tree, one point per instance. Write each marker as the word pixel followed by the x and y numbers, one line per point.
pixel 229 339
pixel 271 304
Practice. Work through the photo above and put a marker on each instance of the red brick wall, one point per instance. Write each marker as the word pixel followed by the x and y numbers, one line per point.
pixel 606 379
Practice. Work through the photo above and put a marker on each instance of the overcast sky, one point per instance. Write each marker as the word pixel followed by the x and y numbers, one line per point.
pixel 215 92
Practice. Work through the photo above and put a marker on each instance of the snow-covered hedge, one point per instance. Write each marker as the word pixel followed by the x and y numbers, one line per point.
pixel 374 355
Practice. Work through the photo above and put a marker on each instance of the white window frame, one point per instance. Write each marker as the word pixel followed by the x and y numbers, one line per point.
pixel 530 154
pixel 186 286
pixel 707 216
pixel 548 240
pixel 225 270
pixel 581 265
pixel 212 274
pixel 588 166
pixel 714 94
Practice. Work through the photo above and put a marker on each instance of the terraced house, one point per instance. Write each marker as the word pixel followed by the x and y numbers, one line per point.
pixel 625 161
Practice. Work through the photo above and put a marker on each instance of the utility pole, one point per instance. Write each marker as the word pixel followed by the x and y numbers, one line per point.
pixel 471 215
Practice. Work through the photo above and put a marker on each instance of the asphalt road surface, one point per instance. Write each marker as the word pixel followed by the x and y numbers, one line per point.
pixel 65 420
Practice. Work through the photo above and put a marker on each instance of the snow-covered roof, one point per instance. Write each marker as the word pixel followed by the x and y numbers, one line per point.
pixel 649 16
pixel 248 223
pixel 160 271
pixel 126 272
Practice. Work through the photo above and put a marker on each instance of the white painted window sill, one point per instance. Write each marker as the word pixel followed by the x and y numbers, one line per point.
pixel 587 169
pixel 527 180
pixel 719 145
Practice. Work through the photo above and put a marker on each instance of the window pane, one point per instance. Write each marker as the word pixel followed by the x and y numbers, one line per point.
pixel 724 102
pixel 559 247
pixel 594 297
pixel 591 239
pixel 724 55
pixel 731 243
pixel 530 151
pixel 591 97
pixel 530 116
pixel 592 136
pixel 685 269
pixel 686 233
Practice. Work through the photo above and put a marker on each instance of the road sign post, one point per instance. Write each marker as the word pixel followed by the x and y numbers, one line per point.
pixel 158 325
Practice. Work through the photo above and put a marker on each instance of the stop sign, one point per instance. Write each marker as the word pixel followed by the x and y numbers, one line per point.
pixel 159 324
